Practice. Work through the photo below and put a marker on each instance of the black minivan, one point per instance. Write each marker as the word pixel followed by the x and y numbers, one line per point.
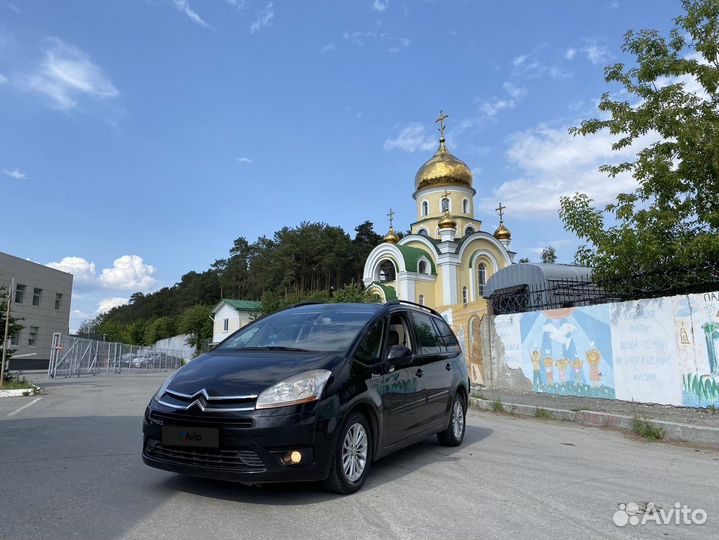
pixel 314 392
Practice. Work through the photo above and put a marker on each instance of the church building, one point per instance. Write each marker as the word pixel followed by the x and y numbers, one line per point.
pixel 446 260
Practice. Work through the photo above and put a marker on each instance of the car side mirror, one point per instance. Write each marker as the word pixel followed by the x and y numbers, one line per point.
pixel 399 356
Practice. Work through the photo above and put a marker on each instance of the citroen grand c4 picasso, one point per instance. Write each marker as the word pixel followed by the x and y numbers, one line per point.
pixel 316 392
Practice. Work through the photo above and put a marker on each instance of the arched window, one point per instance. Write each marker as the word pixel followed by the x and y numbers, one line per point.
pixel 425 208
pixel 465 206
pixel 423 232
pixel 465 296
pixel 481 278
pixel 469 230
pixel 421 299
pixel 422 267
pixel 387 271
pixel 445 204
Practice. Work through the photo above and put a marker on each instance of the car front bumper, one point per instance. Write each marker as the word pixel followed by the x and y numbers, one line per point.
pixel 251 447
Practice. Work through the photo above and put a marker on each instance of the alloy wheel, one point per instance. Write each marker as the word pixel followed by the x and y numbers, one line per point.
pixel 354 452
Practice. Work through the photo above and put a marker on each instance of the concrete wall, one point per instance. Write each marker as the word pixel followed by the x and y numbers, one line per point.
pixel 43 316
pixel 663 350
pixel 176 343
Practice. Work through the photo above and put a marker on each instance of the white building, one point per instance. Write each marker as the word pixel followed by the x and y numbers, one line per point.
pixel 231 315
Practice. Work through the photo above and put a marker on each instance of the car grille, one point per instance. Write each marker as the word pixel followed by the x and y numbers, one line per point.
pixel 217 459
pixel 201 419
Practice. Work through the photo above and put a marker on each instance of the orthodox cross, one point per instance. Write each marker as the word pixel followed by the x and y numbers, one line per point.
pixel 391 217
pixel 441 119
pixel 501 210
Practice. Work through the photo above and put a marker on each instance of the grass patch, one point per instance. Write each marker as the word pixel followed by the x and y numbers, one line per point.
pixel 15 380
pixel 647 430
pixel 497 405
pixel 543 413
pixel 712 409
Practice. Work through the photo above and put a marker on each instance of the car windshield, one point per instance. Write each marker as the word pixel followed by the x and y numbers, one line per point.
pixel 324 328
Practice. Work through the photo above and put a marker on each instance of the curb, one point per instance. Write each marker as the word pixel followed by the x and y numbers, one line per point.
pixel 18 392
pixel 673 431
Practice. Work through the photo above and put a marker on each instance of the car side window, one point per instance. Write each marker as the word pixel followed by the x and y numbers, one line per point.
pixel 448 338
pixel 369 351
pixel 429 339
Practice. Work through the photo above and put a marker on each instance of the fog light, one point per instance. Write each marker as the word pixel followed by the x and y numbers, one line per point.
pixel 292 458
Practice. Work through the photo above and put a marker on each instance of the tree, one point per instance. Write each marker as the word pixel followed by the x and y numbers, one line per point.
pixel 549 255
pixel 671 219
pixel 196 323
pixel 13 327
pixel 524 260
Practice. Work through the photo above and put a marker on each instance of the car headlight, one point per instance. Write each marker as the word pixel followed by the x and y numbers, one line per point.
pixel 301 388
pixel 164 386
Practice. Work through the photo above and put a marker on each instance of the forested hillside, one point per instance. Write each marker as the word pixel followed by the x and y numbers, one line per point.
pixel 310 261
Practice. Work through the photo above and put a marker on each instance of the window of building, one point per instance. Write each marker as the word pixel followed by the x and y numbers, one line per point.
pixel 36 296
pixel 423 232
pixel 32 336
pixel 465 206
pixel 445 204
pixel 226 325
pixel 425 208
pixel 481 278
pixel 469 230
pixel 58 300
pixel 19 293
pixel 386 271
pixel 422 267
pixel 465 296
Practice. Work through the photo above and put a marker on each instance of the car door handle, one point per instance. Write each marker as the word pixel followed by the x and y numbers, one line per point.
pixel 419 373
pixel 448 367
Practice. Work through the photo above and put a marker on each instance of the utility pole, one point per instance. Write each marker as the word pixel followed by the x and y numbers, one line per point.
pixel 7 331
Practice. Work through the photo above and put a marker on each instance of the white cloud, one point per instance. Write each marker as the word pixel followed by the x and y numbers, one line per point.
pixel 15 173
pixel 412 138
pixel 129 272
pixel 361 38
pixel 328 48
pixel 83 272
pixel 596 54
pixel 570 54
pixel 244 160
pixel 183 6
pixel 239 5
pixel 553 163
pixel 14 8
pixel 67 73
pixel 264 18
pixel 493 106
pixel 103 306
pixel 3 79
pixel 379 5
pixel 527 66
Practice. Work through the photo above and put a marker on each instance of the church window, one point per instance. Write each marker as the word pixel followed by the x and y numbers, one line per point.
pixel 423 232
pixel 465 206
pixel 386 271
pixel 469 230
pixel 481 278
pixel 421 299
pixel 425 208
pixel 422 267
pixel 445 204
pixel 465 296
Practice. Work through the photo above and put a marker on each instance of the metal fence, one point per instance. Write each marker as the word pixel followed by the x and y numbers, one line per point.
pixel 72 356
pixel 585 290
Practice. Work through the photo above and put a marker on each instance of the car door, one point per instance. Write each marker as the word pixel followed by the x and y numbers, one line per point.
pixel 400 388
pixel 432 365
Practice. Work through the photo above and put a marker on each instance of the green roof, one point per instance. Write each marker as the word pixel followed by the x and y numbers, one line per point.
pixel 240 305
pixel 412 255
pixel 389 292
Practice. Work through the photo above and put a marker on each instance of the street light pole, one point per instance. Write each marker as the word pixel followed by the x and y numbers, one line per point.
pixel 7 331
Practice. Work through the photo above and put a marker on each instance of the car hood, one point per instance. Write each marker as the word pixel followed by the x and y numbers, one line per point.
pixel 239 373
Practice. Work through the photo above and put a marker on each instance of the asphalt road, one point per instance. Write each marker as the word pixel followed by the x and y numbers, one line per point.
pixel 70 467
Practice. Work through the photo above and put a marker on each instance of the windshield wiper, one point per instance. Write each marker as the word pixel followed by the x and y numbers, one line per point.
pixel 272 348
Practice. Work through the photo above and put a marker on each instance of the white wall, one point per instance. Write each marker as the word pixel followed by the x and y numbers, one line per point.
pixel 236 320
pixel 176 343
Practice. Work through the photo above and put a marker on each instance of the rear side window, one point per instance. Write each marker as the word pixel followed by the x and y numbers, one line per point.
pixel 448 337
pixel 369 351
pixel 430 342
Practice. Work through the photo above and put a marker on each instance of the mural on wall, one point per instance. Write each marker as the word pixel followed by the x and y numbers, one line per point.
pixel 663 350
pixel 568 351
pixel 476 361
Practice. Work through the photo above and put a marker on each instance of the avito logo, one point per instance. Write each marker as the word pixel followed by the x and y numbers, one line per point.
pixel 190 436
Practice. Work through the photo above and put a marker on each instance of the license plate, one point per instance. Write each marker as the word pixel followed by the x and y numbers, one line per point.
pixel 190 436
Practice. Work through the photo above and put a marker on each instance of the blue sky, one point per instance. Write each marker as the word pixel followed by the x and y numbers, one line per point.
pixel 141 137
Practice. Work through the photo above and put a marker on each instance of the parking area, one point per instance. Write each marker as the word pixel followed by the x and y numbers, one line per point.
pixel 73 460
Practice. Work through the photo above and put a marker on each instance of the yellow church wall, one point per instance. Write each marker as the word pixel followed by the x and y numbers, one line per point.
pixel 428 290
pixel 434 200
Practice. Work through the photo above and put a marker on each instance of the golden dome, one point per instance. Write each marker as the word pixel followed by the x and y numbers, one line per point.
pixel 443 169
pixel 447 222
pixel 502 232
pixel 391 236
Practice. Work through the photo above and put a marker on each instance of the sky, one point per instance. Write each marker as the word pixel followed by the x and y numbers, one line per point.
pixel 139 138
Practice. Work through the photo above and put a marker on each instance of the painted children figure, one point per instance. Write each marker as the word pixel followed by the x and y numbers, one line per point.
pixel 536 378
pixel 549 367
pixel 593 359
pixel 577 368
pixel 562 364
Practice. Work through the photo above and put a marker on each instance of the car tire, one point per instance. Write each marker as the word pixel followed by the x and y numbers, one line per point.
pixel 353 449
pixel 454 434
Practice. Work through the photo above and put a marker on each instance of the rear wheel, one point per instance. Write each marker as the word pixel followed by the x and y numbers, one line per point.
pixel 352 456
pixel 454 434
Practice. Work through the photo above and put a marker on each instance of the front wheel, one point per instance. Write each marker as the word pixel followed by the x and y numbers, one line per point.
pixel 454 434
pixel 352 456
